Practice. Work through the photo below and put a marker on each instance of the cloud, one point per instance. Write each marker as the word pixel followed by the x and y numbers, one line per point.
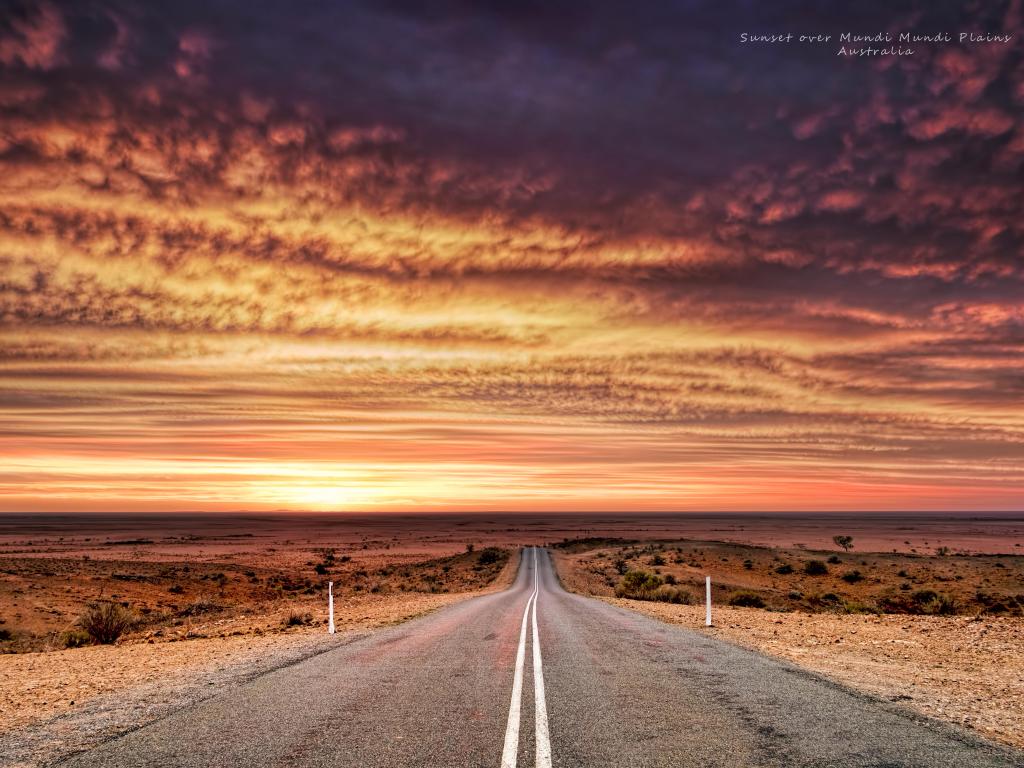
pixel 489 243
pixel 34 39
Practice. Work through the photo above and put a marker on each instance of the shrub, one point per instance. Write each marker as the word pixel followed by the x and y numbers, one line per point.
pixel 942 605
pixel 657 560
pixel 106 622
pixel 176 589
pixel 670 579
pixel 746 599
pixel 834 559
pixel 295 619
pixel 5 635
pixel 923 596
pixel 923 601
pixel 490 555
pixel 748 564
pixel 846 542
pixel 621 566
pixel 815 568
pixel 638 585
pixel 666 594
pixel 852 577
pixel 198 608
pixel 320 569
pixel 75 638
pixel 784 569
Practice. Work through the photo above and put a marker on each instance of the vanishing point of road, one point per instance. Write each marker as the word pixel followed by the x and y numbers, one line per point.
pixel 536 676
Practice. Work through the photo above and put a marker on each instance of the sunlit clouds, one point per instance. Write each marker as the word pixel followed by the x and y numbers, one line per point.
pixel 373 259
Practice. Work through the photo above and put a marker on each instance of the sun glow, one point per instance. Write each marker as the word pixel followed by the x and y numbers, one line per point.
pixel 322 498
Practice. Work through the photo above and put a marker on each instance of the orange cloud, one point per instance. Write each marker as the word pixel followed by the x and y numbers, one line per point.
pixel 217 293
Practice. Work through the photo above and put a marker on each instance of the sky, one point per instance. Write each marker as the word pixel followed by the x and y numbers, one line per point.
pixel 549 255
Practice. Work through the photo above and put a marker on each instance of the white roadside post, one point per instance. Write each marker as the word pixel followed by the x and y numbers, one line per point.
pixel 330 608
pixel 707 589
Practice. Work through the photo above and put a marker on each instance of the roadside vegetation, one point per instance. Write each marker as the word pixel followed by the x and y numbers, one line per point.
pixel 643 585
pixel 163 600
pixel 797 579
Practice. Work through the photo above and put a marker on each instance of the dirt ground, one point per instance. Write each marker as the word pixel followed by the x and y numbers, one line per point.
pixel 807 580
pixel 55 703
pixel 193 593
pixel 965 669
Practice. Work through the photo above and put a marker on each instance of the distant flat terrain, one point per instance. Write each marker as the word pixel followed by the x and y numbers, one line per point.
pixel 220 533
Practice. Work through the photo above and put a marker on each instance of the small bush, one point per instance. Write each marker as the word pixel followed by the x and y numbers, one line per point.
pixel 923 601
pixel 295 619
pixel 746 599
pixel 176 589
pixel 198 608
pixel 846 542
pixel 106 622
pixel 923 596
pixel 815 568
pixel 489 556
pixel 784 569
pixel 5 635
pixel 320 569
pixel 941 605
pixel 748 564
pixel 75 638
pixel 638 585
pixel 852 577
pixel 834 559
pixel 657 560
pixel 666 594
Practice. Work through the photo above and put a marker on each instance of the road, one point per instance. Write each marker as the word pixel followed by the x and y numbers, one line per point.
pixel 537 676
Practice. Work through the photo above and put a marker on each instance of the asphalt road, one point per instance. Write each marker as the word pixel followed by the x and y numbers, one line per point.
pixel 471 685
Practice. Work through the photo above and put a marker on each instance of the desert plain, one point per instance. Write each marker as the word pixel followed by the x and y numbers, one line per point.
pixel 924 610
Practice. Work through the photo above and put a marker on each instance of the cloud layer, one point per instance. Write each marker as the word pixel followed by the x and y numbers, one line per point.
pixel 562 256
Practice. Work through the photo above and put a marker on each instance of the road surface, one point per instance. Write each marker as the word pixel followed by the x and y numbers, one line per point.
pixel 535 676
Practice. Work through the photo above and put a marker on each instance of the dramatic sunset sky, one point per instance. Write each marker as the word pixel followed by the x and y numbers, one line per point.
pixel 531 255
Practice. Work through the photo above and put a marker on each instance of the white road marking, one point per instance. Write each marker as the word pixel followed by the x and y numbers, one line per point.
pixel 510 753
pixel 543 759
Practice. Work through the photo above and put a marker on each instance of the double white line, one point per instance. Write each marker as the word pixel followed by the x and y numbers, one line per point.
pixel 510 754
